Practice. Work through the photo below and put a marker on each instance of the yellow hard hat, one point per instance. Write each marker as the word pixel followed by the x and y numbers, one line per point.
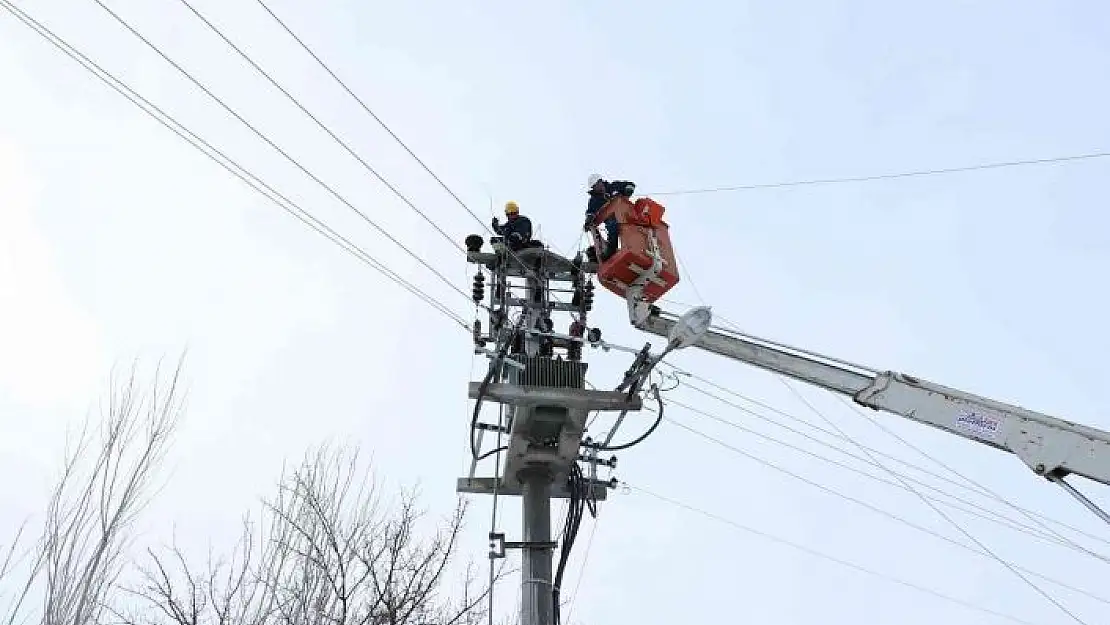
pixel 511 208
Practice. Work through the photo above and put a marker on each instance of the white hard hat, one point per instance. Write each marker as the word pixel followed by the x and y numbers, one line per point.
pixel 593 180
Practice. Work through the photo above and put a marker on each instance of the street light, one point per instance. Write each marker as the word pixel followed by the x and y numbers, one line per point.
pixel 690 327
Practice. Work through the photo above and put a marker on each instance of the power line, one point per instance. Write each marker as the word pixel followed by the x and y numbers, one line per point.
pixel 371 113
pixel 365 107
pixel 977 510
pixel 225 161
pixel 285 154
pixel 828 557
pixel 977 489
pixel 890 176
pixel 849 454
pixel 966 478
pixel 980 488
pixel 1013 569
pixel 319 123
pixel 876 509
pixel 582 569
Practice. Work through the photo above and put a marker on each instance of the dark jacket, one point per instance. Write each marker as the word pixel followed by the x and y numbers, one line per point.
pixel 520 226
pixel 598 199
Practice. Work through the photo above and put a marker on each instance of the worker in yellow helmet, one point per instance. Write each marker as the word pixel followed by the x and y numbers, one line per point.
pixel 517 229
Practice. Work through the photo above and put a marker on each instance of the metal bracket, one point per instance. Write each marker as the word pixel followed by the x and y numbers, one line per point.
pixel 491 427
pixel 498 545
pixel 611 462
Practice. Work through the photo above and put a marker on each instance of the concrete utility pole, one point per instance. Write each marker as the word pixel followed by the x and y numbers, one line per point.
pixel 538 375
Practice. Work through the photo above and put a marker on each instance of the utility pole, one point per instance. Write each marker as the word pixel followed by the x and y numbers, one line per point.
pixel 539 377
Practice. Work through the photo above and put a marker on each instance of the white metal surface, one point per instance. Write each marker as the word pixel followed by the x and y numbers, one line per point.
pixel 1051 447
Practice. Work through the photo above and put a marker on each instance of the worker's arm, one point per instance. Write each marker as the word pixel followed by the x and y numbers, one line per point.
pixel 621 187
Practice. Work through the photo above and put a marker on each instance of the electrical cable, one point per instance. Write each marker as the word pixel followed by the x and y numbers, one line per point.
pixel 582 569
pixel 984 489
pixel 993 517
pixel 830 558
pixel 499 449
pixel 905 174
pixel 979 488
pixel 642 437
pixel 319 123
pixel 831 433
pixel 365 107
pixel 279 150
pixel 225 161
pixel 875 509
pixel 494 370
pixel 949 519
pixel 369 111
pixel 496 492
pixel 579 487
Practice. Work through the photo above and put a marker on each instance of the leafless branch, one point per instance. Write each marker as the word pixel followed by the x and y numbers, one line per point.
pixel 105 478
pixel 328 552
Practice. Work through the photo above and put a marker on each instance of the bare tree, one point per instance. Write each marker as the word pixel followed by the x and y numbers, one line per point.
pixel 331 553
pixel 105 481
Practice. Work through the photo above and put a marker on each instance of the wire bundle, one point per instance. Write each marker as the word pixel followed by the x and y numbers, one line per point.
pixel 580 501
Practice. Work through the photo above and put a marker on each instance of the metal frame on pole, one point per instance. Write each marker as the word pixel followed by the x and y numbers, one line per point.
pixel 548 400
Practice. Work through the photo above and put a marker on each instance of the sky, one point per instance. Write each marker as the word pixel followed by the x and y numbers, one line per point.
pixel 118 241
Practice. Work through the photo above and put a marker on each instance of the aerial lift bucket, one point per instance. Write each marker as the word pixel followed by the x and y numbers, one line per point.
pixel 644 266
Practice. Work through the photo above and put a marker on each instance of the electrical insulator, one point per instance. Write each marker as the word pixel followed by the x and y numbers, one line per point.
pixel 479 287
pixel 588 296
pixel 594 335
pixel 478 339
pixel 577 329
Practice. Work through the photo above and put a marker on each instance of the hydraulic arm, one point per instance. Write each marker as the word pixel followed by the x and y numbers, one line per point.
pixel 1051 447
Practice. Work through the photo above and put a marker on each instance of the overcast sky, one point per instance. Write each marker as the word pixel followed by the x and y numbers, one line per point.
pixel 119 240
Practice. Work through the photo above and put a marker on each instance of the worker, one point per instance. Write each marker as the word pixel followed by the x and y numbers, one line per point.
pixel 601 191
pixel 517 230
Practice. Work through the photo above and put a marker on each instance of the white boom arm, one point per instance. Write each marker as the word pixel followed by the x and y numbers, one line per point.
pixel 1052 447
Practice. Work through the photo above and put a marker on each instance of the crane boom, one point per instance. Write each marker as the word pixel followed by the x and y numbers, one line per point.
pixel 1051 447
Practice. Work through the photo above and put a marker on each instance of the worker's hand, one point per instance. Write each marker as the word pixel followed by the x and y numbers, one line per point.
pixel 496 223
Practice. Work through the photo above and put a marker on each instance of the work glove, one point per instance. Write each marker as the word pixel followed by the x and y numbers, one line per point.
pixel 496 224
pixel 516 238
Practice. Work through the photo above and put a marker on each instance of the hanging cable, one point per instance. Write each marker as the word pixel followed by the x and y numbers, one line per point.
pixel 582 570
pixel 496 492
pixel 984 489
pixel 865 459
pixel 579 486
pixel 994 517
pixel 420 259
pixel 229 164
pixel 890 176
pixel 828 557
pixel 1013 569
pixel 365 107
pixel 319 123
pixel 641 438
pixel 494 370
pixel 873 508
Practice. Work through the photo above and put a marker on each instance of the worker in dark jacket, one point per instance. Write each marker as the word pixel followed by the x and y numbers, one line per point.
pixel 601 191
pixel 517 229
